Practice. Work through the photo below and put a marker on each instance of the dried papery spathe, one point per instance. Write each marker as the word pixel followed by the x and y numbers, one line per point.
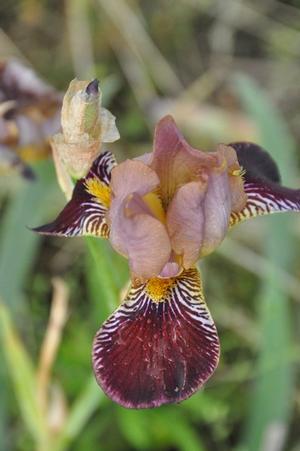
pixel 85 126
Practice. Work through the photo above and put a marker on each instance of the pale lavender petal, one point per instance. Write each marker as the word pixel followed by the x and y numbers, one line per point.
pixel 185 221
pixel 135 232
pixel 175 161
pixel 171 269
pixel 135 205
pixel 139 236
pixel 198 217
pixel 132 176
pixel 217 211
pixel 145 158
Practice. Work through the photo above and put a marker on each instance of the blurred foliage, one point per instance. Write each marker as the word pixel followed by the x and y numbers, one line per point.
pixel 227 70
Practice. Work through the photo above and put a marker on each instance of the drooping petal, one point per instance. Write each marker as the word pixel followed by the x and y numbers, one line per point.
pixel 198 217
pixel 137 230
pixel 159 346
pixel 262 185
pixel 138 235
pixel 85 213
pixel 217 208
pixel 132 176
pixel 185 221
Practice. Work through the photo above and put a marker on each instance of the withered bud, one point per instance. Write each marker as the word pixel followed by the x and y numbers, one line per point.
pixel 81 111
pixel 85 126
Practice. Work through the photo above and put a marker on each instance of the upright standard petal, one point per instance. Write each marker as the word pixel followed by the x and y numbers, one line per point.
pixel 216 210
pixel 174 160
pixel 85 213
pixel 159 346
pixel 262 185
pixel 185 221
pixel 137 231
pixel 198 217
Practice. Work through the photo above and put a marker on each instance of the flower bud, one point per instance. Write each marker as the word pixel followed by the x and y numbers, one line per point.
pixel 85 125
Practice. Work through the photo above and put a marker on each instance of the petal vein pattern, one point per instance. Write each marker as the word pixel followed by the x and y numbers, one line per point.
pixel 85 214
pixel 263 200
pixel 160 346
pixel 265 195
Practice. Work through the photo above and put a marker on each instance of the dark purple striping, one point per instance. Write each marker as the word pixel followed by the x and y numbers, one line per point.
pixel 151 353
pixel 83 214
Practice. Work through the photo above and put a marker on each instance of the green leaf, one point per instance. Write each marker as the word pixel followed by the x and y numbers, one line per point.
pixel 18 244
pixel 107 275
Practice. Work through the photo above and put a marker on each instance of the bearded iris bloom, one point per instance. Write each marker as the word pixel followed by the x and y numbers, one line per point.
pixel 164 211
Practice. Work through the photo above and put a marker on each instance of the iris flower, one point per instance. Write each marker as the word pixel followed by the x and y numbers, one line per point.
pixel 164 211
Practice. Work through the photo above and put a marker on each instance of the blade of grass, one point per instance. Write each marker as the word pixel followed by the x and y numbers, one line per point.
pixel 81 48
pixel 83 408
pixel 271 405
pixel 18 245
pixel 137 76
pixel 22 375
pixel 259 265
pixel 133 32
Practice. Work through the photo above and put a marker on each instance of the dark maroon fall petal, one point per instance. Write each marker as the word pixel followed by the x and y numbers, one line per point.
pixel 85 213
pixel 262 184
pixel 258 164
pixel 159 346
